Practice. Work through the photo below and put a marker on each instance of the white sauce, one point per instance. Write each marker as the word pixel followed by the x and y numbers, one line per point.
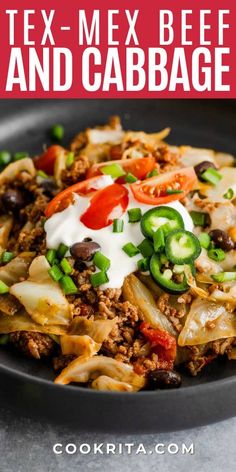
pixel 66 227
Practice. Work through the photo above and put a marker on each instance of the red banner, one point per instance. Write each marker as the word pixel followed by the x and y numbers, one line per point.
pixel 134 49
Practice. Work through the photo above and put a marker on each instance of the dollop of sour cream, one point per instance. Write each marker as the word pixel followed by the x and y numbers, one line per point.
pixel 66 227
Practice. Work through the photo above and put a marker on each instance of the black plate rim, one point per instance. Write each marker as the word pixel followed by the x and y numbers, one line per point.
pixel 143 393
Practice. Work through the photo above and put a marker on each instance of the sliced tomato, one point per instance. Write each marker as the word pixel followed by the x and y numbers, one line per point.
pixel 64 198
pixel 157 190
pixel 162 343
pixel 138 167
pixel 46 161
pixel 106 205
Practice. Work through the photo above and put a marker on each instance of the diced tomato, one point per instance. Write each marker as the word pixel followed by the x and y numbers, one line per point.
pixel 47 160
pixel 64 198
pixel 162 343
pixel 138 167
pixel 106 205
pixel 154 191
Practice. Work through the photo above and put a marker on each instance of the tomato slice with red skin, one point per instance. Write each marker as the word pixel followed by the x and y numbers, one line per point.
pixel 154 191
pixel 106 205
pixel 47 160
pixel 162 343
pixel 138 167
pixel 65 198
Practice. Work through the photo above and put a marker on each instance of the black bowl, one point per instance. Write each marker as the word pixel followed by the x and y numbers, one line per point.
pixel 27 384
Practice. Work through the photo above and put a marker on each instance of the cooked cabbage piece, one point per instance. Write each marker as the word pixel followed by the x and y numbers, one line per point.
pixel 79 345
pixel 83 369
pixel 23 322
pixel 41 296
pixel 136 293
pixel 206 322
pixel 6 223
pixel 17 268
pixel 108 384
pixel 98 330
pixel 10 173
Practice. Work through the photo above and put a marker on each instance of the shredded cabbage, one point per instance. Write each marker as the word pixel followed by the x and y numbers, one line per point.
pixel 41 296
pixel 206 322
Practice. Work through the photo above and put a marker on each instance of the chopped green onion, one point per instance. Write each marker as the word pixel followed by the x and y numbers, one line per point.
pixel 57 132
pixel 62 250
pixel 68 286
pixel 4 339
pixel 224 276
pixel 229 194
pixel 204 240
pixel 152 173
pixel 199 219
pixel 3 288
pixel 130 249
pixel 6 257
pixel 51 256
pixel 5 158
pixel 159 239
pixel 70 159
pixel 42 174
pixel 101 262
pixel 130 178
pixel 146 248
pixel 66 267
pixel 211 245
pixel 143 264
pixel 211 175
pixel 172 191
pixel 20 155
pixel 118 226
pixel 55 273
pixel 114 170
pixel 216 255
pixel 99 278
pixel 135 215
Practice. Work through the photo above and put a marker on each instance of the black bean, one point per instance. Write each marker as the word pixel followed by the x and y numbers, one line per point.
pixel 222 240
pixel 200 168
pixel 84 251
pixel 14 200
pixel 49 187
pixel 80 265
pixel 163 379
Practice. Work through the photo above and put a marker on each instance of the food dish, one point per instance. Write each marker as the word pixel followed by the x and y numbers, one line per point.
pixel 138 355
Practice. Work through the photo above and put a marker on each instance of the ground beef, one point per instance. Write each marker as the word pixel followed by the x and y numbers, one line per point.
pixel 166 159
pixel 61 362
pixel 9 305
pixel 28 233
pixel 35 210
pixel 76 171
pixel 125 342
pixel 33 240
pixel 171 312
pixel 221 346
pixel 194 367
pixel 79 141
pixel 35 345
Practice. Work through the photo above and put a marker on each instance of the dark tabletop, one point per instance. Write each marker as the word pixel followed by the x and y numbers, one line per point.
pixel 26 445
